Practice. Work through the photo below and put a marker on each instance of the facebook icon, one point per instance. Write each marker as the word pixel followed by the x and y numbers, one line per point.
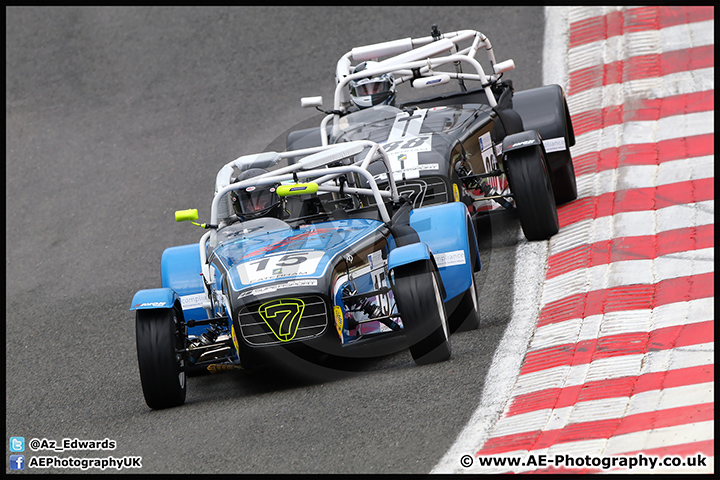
pixel 17 462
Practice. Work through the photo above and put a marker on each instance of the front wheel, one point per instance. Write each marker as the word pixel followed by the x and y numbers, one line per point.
pixel 529 181
pixel 565 184
pixel 466 316
pixel 418 295
pixel 161 366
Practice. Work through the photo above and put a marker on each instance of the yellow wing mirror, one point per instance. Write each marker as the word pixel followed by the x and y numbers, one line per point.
pixel 190 215
pixel 185 215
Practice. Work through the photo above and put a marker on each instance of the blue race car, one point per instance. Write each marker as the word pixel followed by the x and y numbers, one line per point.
pixel 305 254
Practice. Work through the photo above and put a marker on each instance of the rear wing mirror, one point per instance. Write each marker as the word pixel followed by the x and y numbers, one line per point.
pixel 505 66
pixel 309 102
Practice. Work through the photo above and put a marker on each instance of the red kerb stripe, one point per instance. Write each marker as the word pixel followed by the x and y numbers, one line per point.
pixel 631 248
pixel 640 67
pixel 635 20
pixel 612 388
pixel 644 110
pixel 636 200
pixel 586 351
pixel 537 440
pixel 630 297
pixel 645 154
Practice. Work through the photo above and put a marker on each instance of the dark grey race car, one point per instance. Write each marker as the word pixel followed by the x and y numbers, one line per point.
pixel 489 147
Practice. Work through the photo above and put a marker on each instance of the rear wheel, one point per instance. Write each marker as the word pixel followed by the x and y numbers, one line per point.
pixel 534 197
pixel 161 367
pixel 418 295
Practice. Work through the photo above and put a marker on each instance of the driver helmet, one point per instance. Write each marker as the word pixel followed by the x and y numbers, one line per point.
pixel 368 92
pixel 255 201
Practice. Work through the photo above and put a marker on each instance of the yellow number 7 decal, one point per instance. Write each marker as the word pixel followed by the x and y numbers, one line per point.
pixel 283 317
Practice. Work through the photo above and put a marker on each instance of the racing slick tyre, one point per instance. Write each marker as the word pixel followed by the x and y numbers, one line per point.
pixel 529 181
pixel 466 316
pixel 417 291
pixel 461 320
pixel 564 183
pixel 161 367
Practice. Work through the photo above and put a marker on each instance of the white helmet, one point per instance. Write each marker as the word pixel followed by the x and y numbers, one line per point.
pixel 368 92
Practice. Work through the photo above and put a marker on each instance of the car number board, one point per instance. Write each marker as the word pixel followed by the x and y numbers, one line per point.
pixel 405 142
pixel 287 264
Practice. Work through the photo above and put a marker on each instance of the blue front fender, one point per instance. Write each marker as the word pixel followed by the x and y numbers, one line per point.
pixel 154 298
pixel 408 254
pixel 444 229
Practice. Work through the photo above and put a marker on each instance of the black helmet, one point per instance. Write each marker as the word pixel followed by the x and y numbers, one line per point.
pixel 255 202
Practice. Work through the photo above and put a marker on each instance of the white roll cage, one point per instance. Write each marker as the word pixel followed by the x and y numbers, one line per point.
pixel 314 165
pixel 414 58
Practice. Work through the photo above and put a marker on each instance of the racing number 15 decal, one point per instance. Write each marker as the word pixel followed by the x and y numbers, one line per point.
pixel 279 266
pixel 286 261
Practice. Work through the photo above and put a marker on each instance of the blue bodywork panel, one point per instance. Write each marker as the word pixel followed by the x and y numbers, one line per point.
pixel 408 254
pixel 154 298
pixel 443 228
pixel 300 253
pixel 180 268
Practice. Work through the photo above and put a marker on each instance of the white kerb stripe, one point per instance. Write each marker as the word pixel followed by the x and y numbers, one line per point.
pixel 617 323
pixel 629 272
pixel 624 47
pixel 631 224
pixel 667 128
pixel 616 367
pixel 681 83
pixel 604 409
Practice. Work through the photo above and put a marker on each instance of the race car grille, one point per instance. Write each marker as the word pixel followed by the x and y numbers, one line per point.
pixel 424 191
pixel 283 320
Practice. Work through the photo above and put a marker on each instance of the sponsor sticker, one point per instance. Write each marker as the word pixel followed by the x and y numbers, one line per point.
pixel 450 259
pixel 485 142
pixel 408 172
pixel 189 302
pixel 522 144
pixel 275 288
pixel 375 259
pixel 151 304
pixel 338 320
pixel 554 144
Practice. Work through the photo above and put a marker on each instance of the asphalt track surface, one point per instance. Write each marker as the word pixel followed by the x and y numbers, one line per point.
pixel 116 117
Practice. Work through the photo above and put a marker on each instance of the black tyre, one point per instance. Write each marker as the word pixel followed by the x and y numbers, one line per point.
pixel 534 197
pixel 466 316
pixel 417 291
pixel 158 340
pixel 564 183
